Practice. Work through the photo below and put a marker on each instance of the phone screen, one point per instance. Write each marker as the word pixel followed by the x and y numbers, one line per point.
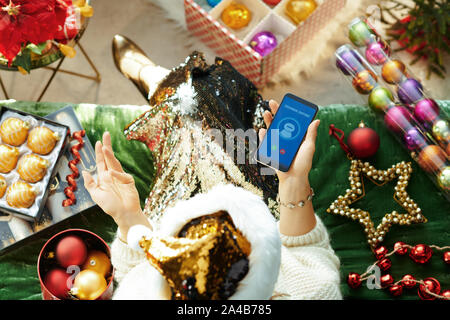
pixel 286 132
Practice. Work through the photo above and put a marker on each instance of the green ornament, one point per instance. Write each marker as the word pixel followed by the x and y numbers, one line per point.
pixel 380 99
pixel 441 130
pixel 444 178
pixel 359 33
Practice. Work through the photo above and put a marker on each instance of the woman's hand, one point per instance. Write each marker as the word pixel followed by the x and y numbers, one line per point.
pixel 114 191
pixel 294 184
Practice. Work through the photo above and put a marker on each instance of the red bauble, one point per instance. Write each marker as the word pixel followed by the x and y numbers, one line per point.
pixel 421 253
pixel 354 280
pixel 432 285
pixel 446 257
pixel 380 252
pixel 384 264
pixel 408 281
pixel 400 248
pixel 446 294
pixel 363 142
pixel 386 280
pixel 396 290
pixel 71 250
pixel 56 282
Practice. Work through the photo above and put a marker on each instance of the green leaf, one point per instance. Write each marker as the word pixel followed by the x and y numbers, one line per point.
pixel 37 48
pixel 23 60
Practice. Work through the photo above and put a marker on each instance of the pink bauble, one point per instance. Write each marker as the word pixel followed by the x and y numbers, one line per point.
pixel 377 52
pixel 56 282
pixel 398 119
pixel 71 251
pixel 426 111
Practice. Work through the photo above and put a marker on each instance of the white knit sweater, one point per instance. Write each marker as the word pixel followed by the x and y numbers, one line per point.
pixel 309 269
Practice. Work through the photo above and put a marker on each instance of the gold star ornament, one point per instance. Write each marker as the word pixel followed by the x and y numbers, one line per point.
pixel 359 169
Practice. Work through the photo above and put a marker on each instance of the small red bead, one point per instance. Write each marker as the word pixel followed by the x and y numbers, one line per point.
pixel 408 281
pixel 354 280
pixel 432 285
pixel 384 264
pixel 396 290
pixel 421 253
pixel 380 252
pixel 386 280
pixel 400 248
pixel 447 257
pixel 446 294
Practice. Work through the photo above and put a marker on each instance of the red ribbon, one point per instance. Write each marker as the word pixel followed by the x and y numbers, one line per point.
pixel 334 132
pixel 70 190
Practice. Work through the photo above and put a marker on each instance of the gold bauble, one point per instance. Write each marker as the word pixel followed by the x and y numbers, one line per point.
pixel 88 285
pixel 14 131
pixel 299 10
pixel 236 16
pixel 364 81
pixel 393 71
pixel 8 158
pixel 32 168
pixel 431 158
pixel 97 261
pixel 21 195
pixel 42 140
pixel 3 186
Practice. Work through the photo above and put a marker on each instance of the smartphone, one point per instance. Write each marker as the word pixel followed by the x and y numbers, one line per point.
pixel 286 133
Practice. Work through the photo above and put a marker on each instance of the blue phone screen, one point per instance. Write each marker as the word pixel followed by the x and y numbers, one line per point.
pixel 286 133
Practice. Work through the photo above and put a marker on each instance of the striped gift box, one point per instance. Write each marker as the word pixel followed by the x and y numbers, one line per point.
pixel 233 45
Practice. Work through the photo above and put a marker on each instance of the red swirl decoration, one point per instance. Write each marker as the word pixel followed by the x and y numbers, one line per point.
pixel 71 178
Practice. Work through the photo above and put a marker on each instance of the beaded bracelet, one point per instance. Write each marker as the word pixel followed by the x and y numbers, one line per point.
pixel 300 204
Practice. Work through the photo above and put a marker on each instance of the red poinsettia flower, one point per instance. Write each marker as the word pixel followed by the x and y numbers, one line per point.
pixel 25 21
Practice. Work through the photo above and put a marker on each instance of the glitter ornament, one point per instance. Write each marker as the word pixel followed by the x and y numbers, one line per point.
pixel 444 178
pixel 236 16
pixel 349 62
pixel 42 140
pixel 32 168
pixel 364 81
pixel 429 285
pixel 300 10
pixel 3 186
pixel 410 91
pixel 88 285
pixel 377 52
pixel 431 158
pixel 56 281
pixel 14 131
pixel 71 251
pixel 393 71
pixel 97 261
pixel 426 111
pixel 441 130
pixel 213 3
pixel 21 195
pixel 8 158
pixel 414 139
pixel 380 99
pixel 397 119
pixel 263 42
pixel 360 34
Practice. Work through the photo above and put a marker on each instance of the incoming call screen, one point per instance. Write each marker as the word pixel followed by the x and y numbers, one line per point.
pixel 286 133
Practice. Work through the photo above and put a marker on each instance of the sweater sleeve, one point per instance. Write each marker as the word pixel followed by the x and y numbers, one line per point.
pixel 309 267
pixel 123 258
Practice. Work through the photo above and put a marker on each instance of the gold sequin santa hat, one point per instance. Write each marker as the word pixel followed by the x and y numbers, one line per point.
pixel 223 244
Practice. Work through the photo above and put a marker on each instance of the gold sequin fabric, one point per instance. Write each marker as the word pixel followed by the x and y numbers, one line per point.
pixel 205 261
pixel 183 135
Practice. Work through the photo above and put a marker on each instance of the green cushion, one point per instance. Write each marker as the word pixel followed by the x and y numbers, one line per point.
pixel 329 177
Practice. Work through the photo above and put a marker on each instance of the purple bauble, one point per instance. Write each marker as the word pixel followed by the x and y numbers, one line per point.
pixel 398 119
pixel 349 62
pixel 263 42
pixel 426 111
pixel 409 91
pixel 377 52
pixel 414 139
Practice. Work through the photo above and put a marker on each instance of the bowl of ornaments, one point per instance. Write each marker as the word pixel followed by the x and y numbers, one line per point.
pixel 75 264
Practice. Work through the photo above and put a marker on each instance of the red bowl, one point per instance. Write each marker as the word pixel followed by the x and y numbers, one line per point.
pixel 92 241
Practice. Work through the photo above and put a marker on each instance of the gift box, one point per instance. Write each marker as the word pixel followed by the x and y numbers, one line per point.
pixel 14 230
pixel 234 44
